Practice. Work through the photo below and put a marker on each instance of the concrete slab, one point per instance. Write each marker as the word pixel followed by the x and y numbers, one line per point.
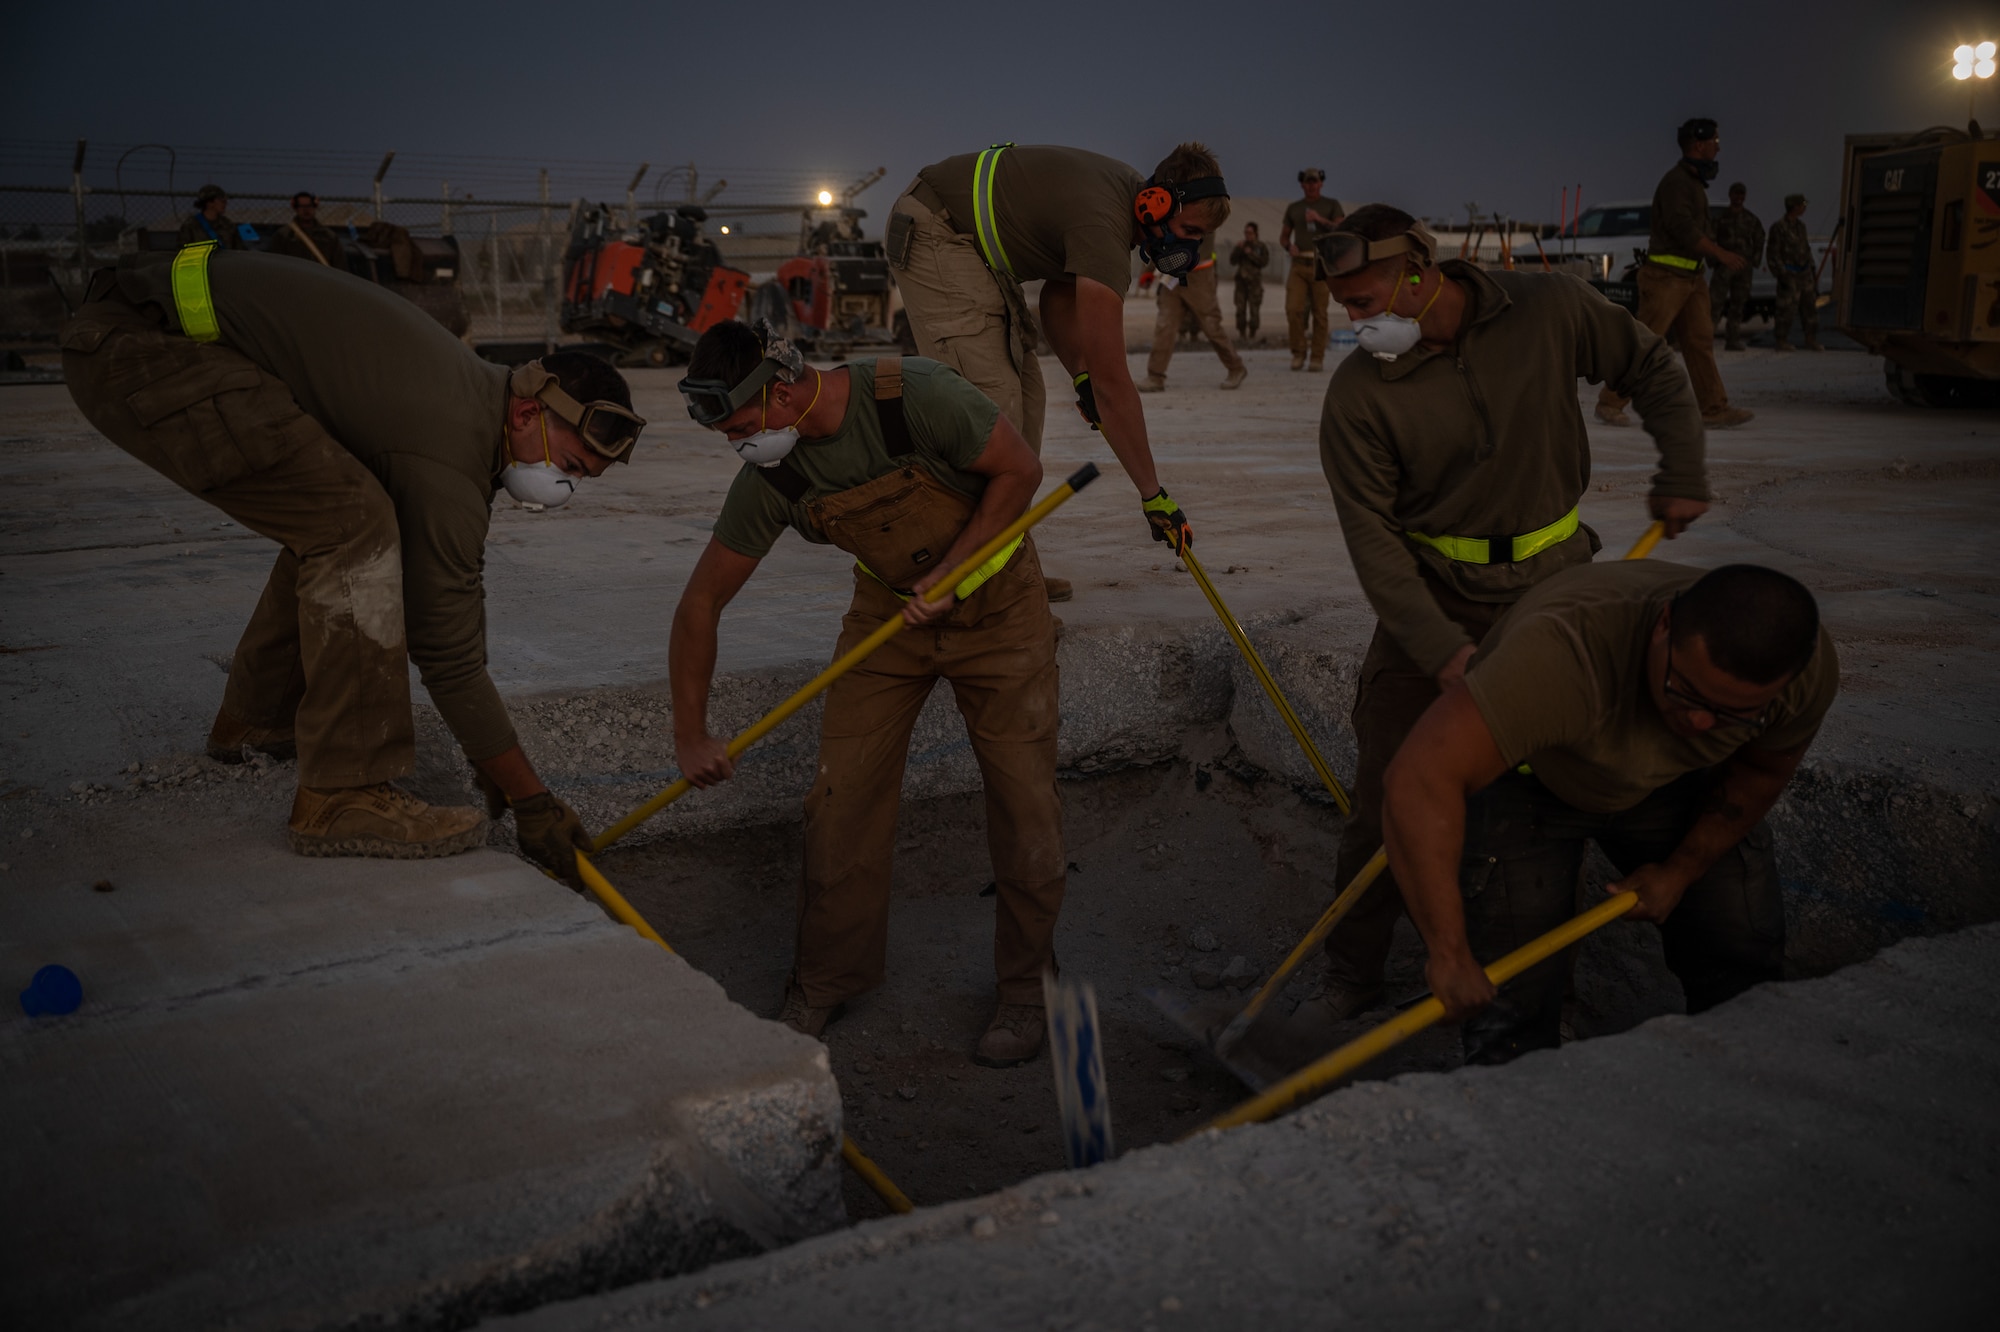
pixel 326 1093
pixel 1812 1155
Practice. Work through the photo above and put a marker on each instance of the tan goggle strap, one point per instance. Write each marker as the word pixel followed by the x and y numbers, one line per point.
pixel 1343 252
pixel 532 380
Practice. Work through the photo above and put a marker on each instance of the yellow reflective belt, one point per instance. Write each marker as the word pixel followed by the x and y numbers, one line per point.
pixel 1478 550
pixel 192 300
pixel 985 222
pixel 974 580
pixel 1674 261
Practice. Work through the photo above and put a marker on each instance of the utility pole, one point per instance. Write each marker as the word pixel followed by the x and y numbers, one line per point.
pixel 76 188
pixel 632 196
pixel 548 274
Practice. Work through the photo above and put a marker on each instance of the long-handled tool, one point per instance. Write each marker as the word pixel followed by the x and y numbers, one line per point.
pixel 1225 1040
pixel 1258 669
pixel 1309 1081
pixel 889 628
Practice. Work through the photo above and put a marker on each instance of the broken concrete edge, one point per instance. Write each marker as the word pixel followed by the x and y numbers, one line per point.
pixel 1117 1206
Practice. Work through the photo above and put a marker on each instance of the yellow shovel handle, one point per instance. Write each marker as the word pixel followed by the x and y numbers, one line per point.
pixel 1316 1076
pixel 887 630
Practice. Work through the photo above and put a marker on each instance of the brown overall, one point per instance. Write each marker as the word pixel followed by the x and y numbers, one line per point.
pixel 997 648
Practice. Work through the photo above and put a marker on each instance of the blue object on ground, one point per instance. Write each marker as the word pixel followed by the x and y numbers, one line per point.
pixel 54 991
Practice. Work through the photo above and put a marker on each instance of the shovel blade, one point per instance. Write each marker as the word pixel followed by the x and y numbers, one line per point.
pixel 1204 1022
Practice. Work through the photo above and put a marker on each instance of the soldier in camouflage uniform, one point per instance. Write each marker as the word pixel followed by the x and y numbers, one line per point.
pixel 1789 256
pixel 1249 258
pixel 1739 232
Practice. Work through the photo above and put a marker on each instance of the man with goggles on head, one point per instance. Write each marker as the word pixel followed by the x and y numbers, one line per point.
pixel 1652 708
pixel 972 228
pixel 1456 455
pixel 345 424
pixel 910 469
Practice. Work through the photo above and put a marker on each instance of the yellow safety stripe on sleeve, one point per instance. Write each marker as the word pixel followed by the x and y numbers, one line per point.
pixel 974 580
pixel 192 300
pixel 1477 550
pixel 986 222
pixel 1674 261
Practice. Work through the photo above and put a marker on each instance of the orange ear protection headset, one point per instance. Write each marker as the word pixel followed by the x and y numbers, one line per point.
pixel 1155 203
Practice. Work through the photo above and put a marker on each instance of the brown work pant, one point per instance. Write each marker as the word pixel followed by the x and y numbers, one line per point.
pixel 1306 300
pixel 1391 694
pixel 998 650
pixel 961 314
pixel 324 652
pixel 1198 295
pixel 1678 306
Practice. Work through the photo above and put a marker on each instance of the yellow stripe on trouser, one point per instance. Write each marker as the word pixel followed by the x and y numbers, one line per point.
pixel 192 300
pixel 1478 550
pixel 972 581
pixel 1674 261
pixel 985 221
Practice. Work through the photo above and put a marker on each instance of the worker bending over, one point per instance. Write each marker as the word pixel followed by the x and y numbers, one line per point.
pixel 910 469
pixel 344 423
pixel 1652 708
pixel 1456 454
pixel 972 228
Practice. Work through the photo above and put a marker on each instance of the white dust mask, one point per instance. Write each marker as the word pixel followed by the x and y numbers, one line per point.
pixel 1388 334
pixel 767 448
pixel 542 483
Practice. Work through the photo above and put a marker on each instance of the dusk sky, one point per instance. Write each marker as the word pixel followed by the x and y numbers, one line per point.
pixel 1429 107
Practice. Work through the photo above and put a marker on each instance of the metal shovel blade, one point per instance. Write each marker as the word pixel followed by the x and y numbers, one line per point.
pixel 1203 1022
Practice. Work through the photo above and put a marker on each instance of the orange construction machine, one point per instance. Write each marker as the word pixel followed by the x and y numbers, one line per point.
pixel 648 289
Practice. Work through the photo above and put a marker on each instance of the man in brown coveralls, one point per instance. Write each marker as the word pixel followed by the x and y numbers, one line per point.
pixel 904 465
pixel 1456 456
pixel 1673 299
pixel 1195 294
pixel 344 423
pixel 972 228
pixel 1306 296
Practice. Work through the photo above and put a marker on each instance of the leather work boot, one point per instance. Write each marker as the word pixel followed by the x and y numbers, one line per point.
pixel 1236 377
pixel 1059 589
pixel 1299 362
pixel 1316 367
pixel 1812 344
pixel 1613 416
pixel 1782 345
pixel 228 737
pixel 381 820
pixel 1013 1037
pixel 802 1017
pixel 1728 416
pixel 1152 384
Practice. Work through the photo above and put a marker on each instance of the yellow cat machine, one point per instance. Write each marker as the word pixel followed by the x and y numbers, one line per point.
pixel 1919 281
pixel 647 291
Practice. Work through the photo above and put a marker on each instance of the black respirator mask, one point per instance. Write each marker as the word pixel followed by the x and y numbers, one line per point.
pixel 1158 204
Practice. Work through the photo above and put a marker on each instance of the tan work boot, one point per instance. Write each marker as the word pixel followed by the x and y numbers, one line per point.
pixel 381 820
pixel 228 737
pixel 1812 344
pixel 1059 589
pixel 1728 416
pixel 1299 361
pixel 1153 384
pixel 802 1016
pixel 1316 367
pixel 1612 416
pixel 1014 1036
pixel 1782 345
pixel 1236 377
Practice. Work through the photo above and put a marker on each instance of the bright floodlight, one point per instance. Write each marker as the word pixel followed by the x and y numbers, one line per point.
pixel 1969 62
pixel 1984 51
pixel 725 231
pixel 826 198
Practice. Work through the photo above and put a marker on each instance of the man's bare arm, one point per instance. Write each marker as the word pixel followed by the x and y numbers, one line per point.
pixel 1450 755
pixel 718 576
pixel 1085 321
pixel 1750 785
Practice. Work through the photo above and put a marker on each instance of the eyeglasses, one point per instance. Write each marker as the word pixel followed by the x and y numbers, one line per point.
pixel 1689 699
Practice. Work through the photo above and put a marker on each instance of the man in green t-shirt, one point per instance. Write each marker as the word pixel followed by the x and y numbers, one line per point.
pixel 1307 221
pixel 343 423
pixel 907 467
pixel 1652 708
pixel 972 228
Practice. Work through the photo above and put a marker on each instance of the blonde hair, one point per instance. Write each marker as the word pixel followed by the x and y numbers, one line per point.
pixel 1191 161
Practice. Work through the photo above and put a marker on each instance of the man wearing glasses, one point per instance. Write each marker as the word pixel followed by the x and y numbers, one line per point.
pixel 1652 708
pixel 345 424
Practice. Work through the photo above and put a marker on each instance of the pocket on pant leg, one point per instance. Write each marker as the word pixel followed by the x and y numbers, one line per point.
pixel 216 419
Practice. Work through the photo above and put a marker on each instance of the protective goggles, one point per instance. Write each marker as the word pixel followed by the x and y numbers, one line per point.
pixel 712 401
pixel 606 427
pixel 1343 252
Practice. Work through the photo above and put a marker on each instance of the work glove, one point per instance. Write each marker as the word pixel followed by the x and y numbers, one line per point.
pixel 1086 401
pixel 1169 524
pixel 551 834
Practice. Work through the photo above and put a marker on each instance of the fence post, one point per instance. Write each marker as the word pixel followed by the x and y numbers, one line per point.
pixel 76 188
pixel 493 273
pixel 444 215
pixel 548 274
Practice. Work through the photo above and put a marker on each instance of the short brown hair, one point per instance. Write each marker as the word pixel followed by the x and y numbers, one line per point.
pixel 1376 222
pixel 1192 161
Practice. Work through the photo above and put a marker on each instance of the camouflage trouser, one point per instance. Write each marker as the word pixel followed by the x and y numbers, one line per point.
pixel 1249 306
pixel 1800 292
pixel 1728 295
